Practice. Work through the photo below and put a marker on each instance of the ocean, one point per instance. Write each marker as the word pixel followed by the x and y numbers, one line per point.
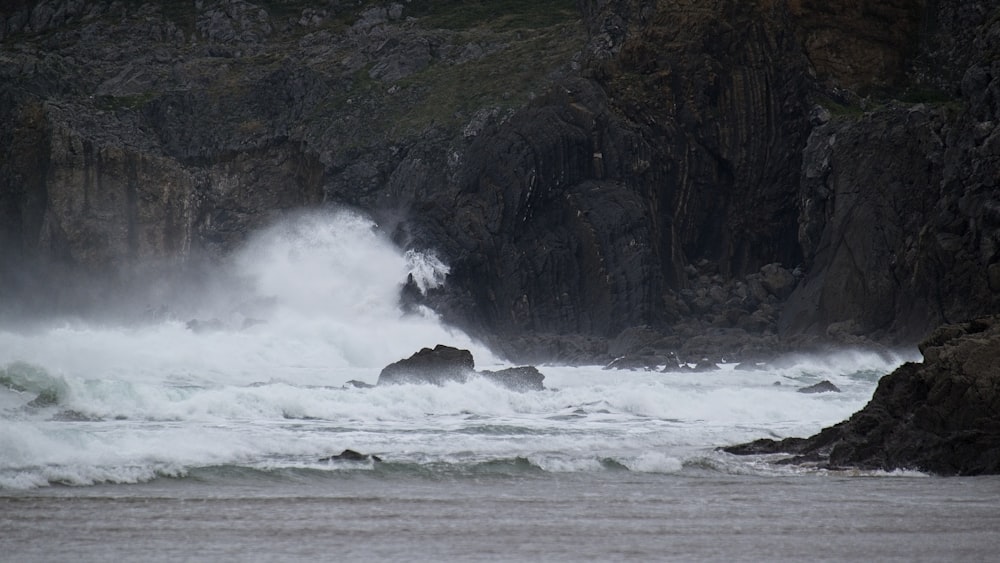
pixel 198 431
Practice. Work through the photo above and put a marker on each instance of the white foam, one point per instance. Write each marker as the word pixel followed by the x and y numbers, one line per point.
pixel 161 399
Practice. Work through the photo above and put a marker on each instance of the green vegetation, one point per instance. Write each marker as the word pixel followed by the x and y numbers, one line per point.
pixel 115 103
pixel 926 95
pixel 520 50
pixel 838 109
pixel 504 79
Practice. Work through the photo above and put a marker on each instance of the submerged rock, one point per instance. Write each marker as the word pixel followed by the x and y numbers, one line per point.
pixel 445 364
pixel 822 387
pixel 941 416
pixel 523 378
pixel 351 455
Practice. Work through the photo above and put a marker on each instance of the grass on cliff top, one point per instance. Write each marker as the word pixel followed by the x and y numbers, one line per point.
pixel 449 95
pixel 882 98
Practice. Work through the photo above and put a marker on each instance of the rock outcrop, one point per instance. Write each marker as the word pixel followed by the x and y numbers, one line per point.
pixel 350 455
pixel 437 366
pixel 445 364
pixel 941 416
pixel 822 387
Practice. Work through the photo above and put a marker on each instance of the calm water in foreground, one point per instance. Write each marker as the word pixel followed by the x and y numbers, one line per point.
pixel 695 515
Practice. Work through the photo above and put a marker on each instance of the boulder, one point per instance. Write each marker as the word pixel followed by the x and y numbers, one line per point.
pixel 441 365
pixel 523 378
pixel 821 387
pixel 941 416
pixel 350 455
pixel 445 364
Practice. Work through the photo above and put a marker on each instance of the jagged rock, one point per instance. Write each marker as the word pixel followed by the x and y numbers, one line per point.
pixel 648 359
pixel 437 366
pixel 351 455
pixel 821 387
pixel 523 378
pixel 705 365
pixel 778 281
pixel 445 364
pixel 941 416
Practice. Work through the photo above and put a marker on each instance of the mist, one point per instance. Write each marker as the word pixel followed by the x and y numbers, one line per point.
pixel 311 292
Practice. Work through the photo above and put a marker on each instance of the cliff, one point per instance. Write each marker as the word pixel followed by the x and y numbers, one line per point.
pixel 940 416
pixel 603 177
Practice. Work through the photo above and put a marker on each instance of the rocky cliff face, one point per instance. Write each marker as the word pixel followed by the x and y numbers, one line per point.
pixel 939 416
pixel 722 170
pixel 899 197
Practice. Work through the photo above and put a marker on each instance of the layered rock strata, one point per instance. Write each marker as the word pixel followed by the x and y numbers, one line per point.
pixel 585 169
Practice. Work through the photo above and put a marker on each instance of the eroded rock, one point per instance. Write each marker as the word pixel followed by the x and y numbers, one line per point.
pixel 445 364
pixel 941 416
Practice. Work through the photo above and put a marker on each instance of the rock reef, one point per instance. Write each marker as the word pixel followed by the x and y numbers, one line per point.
pixel 941 416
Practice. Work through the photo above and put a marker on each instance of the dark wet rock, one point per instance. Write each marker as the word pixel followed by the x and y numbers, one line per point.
pixel 523 378
pixel 941 416
pixel 445 364
pixel 350 455
pixel 570 349
pixel 355 384
pixel 440 365
pixel 649 361
pixel 821 387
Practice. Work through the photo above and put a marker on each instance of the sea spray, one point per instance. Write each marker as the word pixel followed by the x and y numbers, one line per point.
pixel 312 299
pixel 312 302
pixel 594 420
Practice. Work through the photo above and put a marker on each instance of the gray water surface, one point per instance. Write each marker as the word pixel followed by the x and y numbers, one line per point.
pixel 620 515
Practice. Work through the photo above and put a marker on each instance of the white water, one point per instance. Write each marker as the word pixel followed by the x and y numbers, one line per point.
pixel 180 444
pixel 129 404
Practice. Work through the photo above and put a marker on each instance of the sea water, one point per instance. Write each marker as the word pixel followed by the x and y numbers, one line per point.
pixel 171 440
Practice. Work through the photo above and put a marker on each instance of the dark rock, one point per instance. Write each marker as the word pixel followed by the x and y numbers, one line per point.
pixel 777 281
pixel 441 365
pixel 445 364
pixel 355 384
pixel 568 349
pixel 706 366
pixel 821 387
pixel 649 361
pixel 351 455
pixel 524 378
pixel 632 340
pixel 941 416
